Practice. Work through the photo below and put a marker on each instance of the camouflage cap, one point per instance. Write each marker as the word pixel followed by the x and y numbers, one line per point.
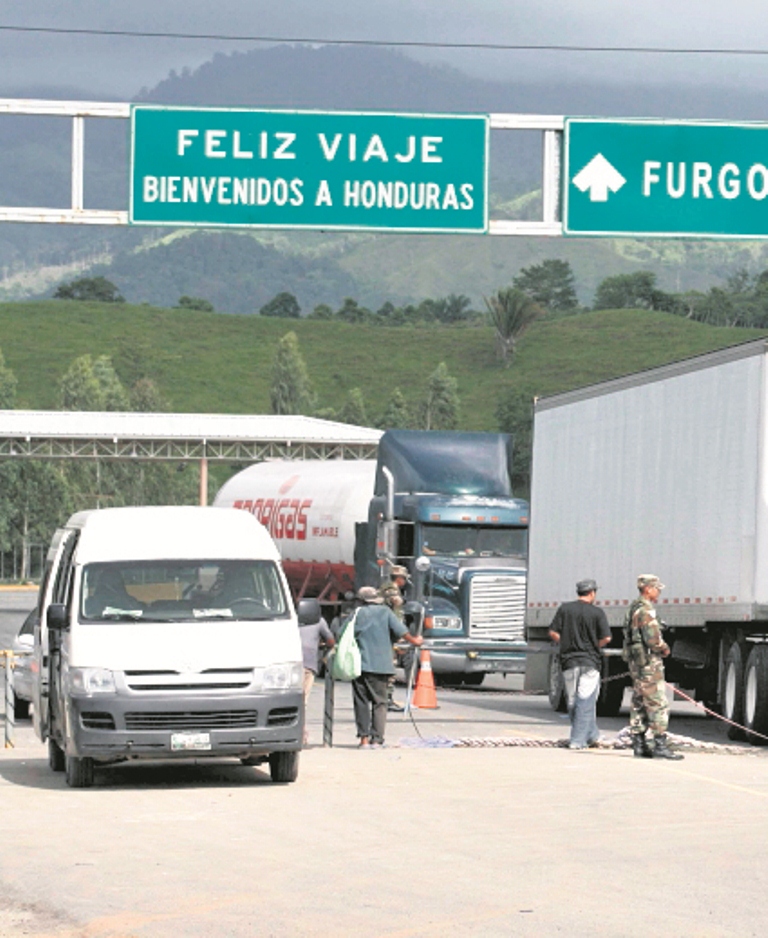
pixel 648 579
pixel 369 594
pixel 397 570
pixel 586 586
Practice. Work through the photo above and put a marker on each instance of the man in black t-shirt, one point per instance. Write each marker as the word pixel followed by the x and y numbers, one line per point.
pixel 581 630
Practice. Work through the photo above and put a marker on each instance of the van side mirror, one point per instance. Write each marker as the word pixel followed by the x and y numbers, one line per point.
pixel 56 618
pixel 309 611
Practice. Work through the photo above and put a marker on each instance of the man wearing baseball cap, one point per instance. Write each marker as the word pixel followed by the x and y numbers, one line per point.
pixel 376 628
pixel 644 651
pixel 581 629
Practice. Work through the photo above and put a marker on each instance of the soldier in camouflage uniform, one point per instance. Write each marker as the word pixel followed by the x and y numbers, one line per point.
pixel 644 651
pixel 391 591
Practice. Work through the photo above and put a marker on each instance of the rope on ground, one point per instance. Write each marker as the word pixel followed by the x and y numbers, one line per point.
pixel 622 741
pixel 714 713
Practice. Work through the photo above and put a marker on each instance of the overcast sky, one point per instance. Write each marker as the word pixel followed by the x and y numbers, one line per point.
pixel 116 68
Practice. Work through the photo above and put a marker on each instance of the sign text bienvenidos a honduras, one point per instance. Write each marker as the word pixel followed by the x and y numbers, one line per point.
pixel 308 169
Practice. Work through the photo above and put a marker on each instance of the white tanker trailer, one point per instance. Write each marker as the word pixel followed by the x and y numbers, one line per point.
pixel 438 503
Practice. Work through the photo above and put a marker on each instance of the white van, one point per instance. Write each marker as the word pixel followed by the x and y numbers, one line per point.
pixel 166 633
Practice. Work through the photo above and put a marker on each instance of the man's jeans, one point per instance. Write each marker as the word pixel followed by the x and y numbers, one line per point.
pixel 582 685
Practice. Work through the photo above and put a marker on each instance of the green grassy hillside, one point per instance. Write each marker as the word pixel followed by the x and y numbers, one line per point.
pixel 212 363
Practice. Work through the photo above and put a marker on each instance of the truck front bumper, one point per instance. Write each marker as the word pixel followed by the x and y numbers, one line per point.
pixel 450 657
pixel 161 726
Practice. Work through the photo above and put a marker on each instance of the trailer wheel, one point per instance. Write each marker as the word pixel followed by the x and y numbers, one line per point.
pixel 756 694
pixel 284 766
pixel 79 772
pixel 55 755
pixel 733 690
pixel 556 686
pixel 611 695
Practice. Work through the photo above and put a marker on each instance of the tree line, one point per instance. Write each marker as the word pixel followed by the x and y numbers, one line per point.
pixel 37 496
pixel 292 392
pixel 742 300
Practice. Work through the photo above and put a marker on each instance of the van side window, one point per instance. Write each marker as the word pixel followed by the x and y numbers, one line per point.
pixel 53 550
pixel 61 584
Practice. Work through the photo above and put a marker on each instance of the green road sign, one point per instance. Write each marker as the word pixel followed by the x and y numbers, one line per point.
pixel 308 169
pixel 665 178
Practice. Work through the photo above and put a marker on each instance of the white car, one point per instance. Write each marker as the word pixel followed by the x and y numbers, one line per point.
pixel 22 666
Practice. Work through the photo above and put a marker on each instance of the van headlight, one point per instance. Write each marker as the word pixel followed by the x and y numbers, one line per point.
pixel 281 677
pixel 446 622
pixel 89 681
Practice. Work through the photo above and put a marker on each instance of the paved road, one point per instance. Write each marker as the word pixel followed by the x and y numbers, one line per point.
pixel 14 606
pixel 428 842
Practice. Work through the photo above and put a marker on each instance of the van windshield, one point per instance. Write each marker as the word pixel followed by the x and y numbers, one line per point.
pixel 170 590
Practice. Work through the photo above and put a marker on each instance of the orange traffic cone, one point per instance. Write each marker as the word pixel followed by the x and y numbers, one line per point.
pixel 425 696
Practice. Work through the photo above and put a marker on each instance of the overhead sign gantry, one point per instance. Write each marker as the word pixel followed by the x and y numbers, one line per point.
pixel 419 172
pixel 443 163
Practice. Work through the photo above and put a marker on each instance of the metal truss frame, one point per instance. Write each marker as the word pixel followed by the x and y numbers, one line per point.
pixel 551 127
pixel 165 450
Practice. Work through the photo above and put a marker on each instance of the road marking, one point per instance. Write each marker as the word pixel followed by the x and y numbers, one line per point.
pixel 717 781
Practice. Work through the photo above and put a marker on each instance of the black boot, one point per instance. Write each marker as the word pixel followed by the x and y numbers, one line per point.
pixel 640 746
pixel 661 749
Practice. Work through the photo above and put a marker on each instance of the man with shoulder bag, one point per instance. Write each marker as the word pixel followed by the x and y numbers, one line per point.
pixel 376 628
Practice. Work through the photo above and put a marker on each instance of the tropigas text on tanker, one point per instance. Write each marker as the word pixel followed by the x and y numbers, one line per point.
pixel 287 189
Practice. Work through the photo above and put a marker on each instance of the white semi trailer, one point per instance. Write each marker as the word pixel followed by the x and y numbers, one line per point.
pixel 665 472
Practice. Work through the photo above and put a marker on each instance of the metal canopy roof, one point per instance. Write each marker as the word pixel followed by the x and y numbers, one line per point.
pixel 161 436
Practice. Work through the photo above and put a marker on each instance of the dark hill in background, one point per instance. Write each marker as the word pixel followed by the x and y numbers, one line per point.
pixel 234 272
pixel 34 170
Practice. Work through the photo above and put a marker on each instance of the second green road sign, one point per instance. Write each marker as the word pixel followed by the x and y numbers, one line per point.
pixel 308 169
pixel 665 178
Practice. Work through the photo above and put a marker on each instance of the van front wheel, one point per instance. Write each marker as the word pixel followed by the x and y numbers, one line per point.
pixel 284 766
pixel 79 772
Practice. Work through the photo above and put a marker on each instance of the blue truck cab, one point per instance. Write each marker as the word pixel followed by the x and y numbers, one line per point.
pixel 443 507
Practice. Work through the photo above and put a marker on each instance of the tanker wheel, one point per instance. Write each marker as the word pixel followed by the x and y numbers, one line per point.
pixel 733 691
pixel 449 679
pixel 473 680
pixel 756 695
pixel 556 690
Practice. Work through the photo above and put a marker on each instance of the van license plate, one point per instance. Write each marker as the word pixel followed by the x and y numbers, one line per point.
pixel 195 741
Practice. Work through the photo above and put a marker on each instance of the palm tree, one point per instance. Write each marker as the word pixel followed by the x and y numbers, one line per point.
pixel 511 312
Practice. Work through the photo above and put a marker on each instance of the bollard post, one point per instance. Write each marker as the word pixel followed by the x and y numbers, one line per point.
pixel 414 665
pixel 10 716
pixel 329 701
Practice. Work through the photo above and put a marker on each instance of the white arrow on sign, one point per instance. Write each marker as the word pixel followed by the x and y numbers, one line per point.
pixel 600 177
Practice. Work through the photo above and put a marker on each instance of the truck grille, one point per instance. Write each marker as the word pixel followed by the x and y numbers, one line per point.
pixel 191 720
pixel 496 606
